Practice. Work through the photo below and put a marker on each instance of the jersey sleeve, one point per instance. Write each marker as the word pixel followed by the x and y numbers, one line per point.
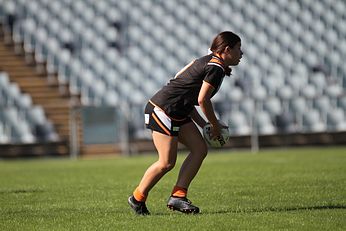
pixel 214 75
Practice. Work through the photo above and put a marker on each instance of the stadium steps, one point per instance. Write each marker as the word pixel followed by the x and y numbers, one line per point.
pixel 56 106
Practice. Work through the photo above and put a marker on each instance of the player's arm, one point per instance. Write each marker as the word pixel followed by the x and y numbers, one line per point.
pixel 204 102
pixel 198 118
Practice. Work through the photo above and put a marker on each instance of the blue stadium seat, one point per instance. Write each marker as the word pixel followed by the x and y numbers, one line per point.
pixel 42 128
pixel 298 106
pixel 111 98
pixel 247 107
pixel 238 124
pixel 336 120
pixel 4 139
pixel 264 123
pixel 309 92
pixel 29 28
pixel 297 83
pixel 312 121
pixel 53 50
pixel 323 105
pixel 273 106
pixel 20 130
pixel 235 95
pixel 342 102
pixel 41 37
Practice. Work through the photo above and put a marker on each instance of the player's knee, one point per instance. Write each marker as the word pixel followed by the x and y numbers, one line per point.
pixel 166 166
pixel 204 150
pixel 201 150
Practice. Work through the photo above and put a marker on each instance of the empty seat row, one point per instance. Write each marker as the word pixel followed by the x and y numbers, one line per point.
pixel 309 121
pixel 20 120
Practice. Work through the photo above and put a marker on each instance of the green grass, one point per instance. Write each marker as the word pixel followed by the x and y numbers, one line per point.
pixel 294 189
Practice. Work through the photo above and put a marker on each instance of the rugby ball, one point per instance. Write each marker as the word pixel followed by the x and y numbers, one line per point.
pixel 220 140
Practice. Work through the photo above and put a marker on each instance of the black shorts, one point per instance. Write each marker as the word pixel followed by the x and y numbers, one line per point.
pixel 156 120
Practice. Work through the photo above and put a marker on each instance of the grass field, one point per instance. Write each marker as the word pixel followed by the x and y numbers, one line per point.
pixel 294 189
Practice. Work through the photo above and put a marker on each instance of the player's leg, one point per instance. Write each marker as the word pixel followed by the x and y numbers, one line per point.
pixel 190 136
pixel 167 150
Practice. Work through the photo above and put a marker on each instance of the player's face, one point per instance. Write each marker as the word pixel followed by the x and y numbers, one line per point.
pixel 233 55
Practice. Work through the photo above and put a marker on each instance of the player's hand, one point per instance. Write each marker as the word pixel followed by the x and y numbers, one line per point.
pixel 215 131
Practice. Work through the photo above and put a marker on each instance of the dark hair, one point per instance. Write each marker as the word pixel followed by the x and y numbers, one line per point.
pixel 224 39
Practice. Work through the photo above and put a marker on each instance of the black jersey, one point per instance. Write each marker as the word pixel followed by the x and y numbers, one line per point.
pixel 179 96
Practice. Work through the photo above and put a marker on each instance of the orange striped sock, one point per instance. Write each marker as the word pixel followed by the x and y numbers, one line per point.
pixel 139 196
pixel 179 191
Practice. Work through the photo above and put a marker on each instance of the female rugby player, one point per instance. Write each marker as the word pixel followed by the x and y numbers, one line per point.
pixel 170 114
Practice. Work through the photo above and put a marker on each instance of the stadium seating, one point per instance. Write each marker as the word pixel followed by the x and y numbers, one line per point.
pixel 20 120
pixel 336 120
pixel 123 51
pixel 238 123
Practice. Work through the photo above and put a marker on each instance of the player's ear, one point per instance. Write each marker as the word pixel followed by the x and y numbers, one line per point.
pixel 227 49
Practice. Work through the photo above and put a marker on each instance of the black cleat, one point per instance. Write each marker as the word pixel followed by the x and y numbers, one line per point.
pixel 139 207
pixel 182 204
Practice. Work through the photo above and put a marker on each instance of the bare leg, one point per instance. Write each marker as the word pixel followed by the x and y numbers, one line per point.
pixel 167 150
pixel 190 136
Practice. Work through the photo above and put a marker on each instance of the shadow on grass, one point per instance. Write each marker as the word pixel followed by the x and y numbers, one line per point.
pixel 283 209
pixel 15 191
pixel 258 210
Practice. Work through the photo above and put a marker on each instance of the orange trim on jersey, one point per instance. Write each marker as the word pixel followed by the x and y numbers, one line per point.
pixel 209 84
pixel 184 68
pixel 217 61
pixel 165 112
pixel 160 123
pixel 155 105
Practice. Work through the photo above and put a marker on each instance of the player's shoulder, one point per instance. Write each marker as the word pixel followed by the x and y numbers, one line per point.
pixel 209 63
pixel 215 61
